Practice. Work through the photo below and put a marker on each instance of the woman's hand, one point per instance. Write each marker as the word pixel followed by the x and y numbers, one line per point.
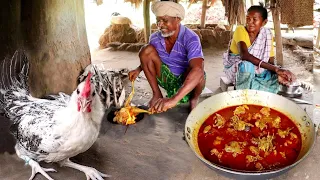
pixel 134 74
pixel 285 77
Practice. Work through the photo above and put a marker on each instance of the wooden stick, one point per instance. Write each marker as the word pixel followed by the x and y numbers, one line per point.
pixel 203 14
pixel 278 38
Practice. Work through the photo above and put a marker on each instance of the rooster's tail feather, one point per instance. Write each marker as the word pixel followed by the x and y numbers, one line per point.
pixel 14 74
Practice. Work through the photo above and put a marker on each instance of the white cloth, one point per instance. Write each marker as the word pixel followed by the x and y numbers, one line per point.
pixel 169 8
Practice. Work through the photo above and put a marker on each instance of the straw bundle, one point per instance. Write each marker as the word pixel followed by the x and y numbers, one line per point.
pixel 235 11
pixel 122 33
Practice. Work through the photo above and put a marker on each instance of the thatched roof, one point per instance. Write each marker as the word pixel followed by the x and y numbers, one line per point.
pixel 135 3
pixel 235 11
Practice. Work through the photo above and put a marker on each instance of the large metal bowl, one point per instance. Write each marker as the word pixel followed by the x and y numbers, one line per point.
pixel 238 97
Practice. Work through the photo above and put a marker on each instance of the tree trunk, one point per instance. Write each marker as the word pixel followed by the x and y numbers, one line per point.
pixel 277 28
pixel 53 35
pixel 146 17
pixel 203 14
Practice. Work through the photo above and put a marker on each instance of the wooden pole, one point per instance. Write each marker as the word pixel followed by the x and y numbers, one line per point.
pixel 203 14
pixel 251 1
pixel 146 18
pixel 277 28
pixel 318 38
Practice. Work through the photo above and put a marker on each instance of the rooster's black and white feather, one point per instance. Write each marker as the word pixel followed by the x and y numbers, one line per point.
pixel 50 130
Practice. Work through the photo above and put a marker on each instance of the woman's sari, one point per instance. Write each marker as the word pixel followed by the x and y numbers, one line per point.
pixel 246 75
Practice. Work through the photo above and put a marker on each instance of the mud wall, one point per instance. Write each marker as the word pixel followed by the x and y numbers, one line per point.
pixel 53 34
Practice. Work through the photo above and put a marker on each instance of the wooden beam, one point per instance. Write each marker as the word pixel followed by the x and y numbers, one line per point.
pixel 146 17
pixel 203 14
pixel 278 38
pixel 296 29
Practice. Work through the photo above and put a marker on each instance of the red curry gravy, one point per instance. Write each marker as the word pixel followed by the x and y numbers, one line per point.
pixel 249 138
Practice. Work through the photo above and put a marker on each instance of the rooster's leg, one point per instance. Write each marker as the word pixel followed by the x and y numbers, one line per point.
pixel 36 168
pixel 90 172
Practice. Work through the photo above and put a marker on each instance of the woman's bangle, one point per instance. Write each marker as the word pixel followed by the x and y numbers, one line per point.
pixel 260 64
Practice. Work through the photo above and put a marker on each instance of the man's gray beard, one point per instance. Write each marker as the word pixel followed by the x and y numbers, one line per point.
pixel 167 34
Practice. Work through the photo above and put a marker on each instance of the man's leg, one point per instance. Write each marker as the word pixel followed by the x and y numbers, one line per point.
pixel 196 92
pixel 151 65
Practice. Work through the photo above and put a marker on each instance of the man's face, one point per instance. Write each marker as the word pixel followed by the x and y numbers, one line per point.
pixel 254 21
pixel 167 25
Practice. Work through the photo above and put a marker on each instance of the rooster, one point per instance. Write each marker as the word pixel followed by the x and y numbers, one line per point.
pixel 49 130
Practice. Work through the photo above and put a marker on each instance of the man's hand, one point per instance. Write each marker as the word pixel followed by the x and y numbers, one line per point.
pixel 285 77
pixel 163 104
pixel 134 74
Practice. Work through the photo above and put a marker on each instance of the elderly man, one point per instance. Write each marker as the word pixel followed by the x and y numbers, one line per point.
pixel 173 59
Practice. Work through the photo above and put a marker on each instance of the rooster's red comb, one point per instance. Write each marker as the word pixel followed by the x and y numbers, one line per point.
pixel 87 86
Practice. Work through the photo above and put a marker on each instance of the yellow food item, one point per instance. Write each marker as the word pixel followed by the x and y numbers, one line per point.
pixel 219 121
pixel 293 136
pixel 234 148
pixel 261 124
pixel 259 166
pixel 275 152
pixel 265 111
pixel 217 141
pixel 283 154
pixel 207 129
pixel 257 116
pixel 254 150
pixel 240 110
pixel 265 144
pixel 217 153
pixel 284 133
pixel 287 142
pixel 231 131
pixel 238 124
pixel 127 114
pixel 276 122
pixel 251 159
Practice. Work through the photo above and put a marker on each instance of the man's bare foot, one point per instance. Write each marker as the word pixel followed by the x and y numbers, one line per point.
pixel 193 103
pixel 153 100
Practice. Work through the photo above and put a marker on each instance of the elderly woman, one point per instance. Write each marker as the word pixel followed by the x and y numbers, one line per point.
pixel 248 63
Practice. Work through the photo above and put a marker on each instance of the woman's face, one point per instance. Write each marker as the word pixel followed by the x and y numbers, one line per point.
pixel 254 21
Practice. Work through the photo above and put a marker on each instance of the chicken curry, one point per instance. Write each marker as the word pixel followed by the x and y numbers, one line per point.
pixel 249 138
